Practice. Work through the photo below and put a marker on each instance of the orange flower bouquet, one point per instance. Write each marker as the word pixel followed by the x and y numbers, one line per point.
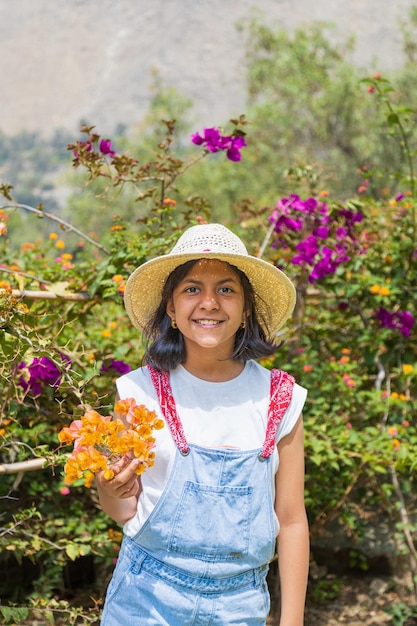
pixel 100 441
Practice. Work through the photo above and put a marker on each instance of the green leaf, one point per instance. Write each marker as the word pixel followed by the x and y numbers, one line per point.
pixel 73 551
pixel 393 119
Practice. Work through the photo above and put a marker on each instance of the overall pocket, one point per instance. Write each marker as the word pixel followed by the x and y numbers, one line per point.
pixel 212 522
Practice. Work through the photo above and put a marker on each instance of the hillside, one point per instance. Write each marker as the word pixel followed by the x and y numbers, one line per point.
pixel 66 61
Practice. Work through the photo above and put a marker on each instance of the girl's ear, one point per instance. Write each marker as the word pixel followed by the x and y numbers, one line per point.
pixel 170 308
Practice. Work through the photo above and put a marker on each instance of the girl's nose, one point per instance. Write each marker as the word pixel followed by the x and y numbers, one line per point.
pixel 209 301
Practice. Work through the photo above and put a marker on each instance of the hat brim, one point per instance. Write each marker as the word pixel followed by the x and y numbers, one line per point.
pixel 275 294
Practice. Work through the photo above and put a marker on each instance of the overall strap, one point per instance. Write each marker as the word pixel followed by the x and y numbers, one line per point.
pixel 163 390
pixel 282 385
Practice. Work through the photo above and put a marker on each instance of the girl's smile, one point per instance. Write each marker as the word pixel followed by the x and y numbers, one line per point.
pixel 208 306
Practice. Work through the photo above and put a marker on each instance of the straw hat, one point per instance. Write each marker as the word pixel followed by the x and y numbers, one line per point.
pixel 274 292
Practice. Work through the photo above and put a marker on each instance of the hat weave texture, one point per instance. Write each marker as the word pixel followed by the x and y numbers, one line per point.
pixel 274 292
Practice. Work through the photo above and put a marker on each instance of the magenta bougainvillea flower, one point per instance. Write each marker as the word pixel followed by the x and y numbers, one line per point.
pixel 42 372
pixel 117 366
pixel 214 141
pixel 105 147
pixel 400 320
pixel 315 252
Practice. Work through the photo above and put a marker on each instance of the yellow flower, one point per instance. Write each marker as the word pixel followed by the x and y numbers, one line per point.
pixel 5 285
pixel 375 289
pixel 100 441
pixel 106 333
pixel 60 244
pixel 384 291
pixel 53 236
pixel 407 369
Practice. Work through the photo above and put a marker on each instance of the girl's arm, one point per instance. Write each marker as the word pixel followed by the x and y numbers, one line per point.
pixel 119 496
pixel 293 540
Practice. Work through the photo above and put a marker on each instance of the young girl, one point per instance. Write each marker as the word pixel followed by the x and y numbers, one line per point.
pixel 200 526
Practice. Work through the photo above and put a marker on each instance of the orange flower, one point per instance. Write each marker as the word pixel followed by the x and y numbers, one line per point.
pixel 5 285
pixel 100 441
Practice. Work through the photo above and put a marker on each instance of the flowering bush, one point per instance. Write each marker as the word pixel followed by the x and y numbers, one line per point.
pixel 65 338
pixel 99 441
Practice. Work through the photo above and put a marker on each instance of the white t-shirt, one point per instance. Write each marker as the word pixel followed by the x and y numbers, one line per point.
pixel 213 414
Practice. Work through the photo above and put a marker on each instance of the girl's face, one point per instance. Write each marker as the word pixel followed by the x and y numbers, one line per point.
pixel 208 306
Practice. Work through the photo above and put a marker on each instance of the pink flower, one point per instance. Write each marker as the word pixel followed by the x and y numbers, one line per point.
pixel 105 147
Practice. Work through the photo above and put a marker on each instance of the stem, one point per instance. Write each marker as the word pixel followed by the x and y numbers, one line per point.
pixel 408 155
pixel 15 273
pixel 50 295
pixel 406 523
pixel 403 513
pixel 69 227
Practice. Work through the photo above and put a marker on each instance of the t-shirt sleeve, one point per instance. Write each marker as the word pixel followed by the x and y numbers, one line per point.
pixel 293 412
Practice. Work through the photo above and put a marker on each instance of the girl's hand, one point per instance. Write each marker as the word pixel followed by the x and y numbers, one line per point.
pixel 125 482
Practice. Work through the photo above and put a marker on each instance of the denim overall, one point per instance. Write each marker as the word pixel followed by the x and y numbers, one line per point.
pixel 202 555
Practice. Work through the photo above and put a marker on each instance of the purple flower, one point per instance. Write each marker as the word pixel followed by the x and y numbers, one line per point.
pixel 307 251
pixel 233 153
pixel 105 147
pixel 214 141
pixel 406 321
pixel 328 264
pixel 40 373
pixel 401 320
pixel 322 232
pixel 120 367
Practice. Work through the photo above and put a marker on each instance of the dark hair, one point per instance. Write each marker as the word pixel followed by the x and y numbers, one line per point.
pixel 165 347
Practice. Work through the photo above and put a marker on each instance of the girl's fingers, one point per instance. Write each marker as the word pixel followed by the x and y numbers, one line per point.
pixel 124 483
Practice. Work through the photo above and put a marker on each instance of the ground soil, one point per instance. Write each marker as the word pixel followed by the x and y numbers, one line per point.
pixel 358 600
pixel 333 599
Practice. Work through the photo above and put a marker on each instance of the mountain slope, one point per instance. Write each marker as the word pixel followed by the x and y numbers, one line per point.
pixel 66 61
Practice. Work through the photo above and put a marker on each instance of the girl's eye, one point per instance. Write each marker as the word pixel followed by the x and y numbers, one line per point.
pixel 191 290
pixel 226 290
